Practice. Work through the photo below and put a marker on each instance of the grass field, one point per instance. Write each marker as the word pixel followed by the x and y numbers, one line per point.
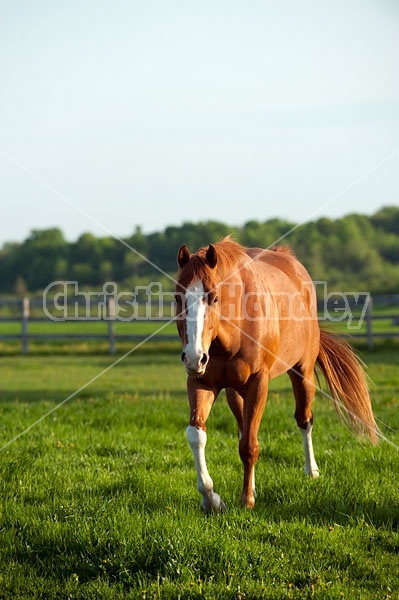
pixel 99 500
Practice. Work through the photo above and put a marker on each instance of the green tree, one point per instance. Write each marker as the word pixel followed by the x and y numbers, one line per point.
pixel 355 252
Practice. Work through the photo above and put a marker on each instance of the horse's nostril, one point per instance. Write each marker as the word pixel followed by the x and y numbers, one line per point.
pixel 204 359
pixel 183 356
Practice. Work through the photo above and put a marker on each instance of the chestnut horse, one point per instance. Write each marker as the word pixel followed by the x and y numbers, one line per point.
pixel 245 316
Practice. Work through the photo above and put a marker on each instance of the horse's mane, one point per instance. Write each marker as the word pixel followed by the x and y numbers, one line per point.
pixel 230 253
pixel 229 256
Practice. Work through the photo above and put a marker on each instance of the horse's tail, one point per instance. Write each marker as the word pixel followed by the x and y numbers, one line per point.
pixel 348 385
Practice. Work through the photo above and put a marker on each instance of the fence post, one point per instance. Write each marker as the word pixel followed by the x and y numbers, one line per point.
pixel 24 326
pixel 369 311
pixel 111 323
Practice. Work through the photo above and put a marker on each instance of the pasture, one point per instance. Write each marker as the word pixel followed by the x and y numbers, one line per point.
pixel 99 499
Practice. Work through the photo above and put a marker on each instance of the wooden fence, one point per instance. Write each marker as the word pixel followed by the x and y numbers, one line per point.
pixel 24 309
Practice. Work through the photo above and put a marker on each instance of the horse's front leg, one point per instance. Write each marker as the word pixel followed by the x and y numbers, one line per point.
pixel 254 405
pixel 236 403
pixel 201 401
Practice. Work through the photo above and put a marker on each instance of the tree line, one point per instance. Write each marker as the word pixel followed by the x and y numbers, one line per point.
pixel 353 253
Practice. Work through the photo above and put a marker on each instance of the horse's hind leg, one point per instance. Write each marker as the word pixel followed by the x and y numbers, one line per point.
pixel 304 391
pixel 236 403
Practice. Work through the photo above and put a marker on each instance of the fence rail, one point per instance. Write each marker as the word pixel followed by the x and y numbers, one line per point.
pixel 25 318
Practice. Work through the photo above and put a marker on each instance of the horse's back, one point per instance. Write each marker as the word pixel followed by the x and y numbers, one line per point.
pixel 280 268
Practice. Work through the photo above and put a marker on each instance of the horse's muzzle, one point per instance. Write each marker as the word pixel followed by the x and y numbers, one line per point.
pixel 196 366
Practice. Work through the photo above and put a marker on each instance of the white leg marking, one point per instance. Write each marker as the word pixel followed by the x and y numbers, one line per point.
pixel 197 440
pixel 253 481
pixel 253 469
pixel 311 467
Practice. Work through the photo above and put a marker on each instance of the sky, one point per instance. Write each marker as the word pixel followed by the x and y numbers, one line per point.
pixel 124 114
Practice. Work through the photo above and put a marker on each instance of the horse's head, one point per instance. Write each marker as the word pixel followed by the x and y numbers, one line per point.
pixel 197 311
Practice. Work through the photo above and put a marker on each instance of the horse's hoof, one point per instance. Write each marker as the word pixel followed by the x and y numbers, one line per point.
pixel 247 502
pixel 215 506
pixel 314 474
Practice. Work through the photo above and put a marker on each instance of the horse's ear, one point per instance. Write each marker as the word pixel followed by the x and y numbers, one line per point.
pixel 211 256
pixel 183 255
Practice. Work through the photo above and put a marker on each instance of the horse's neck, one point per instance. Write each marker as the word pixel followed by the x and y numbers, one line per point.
pixel 228 339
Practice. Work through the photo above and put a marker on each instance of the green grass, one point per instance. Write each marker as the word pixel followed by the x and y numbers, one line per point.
pixel 99 499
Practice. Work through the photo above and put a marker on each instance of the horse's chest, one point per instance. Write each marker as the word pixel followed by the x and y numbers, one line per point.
pixel 236 374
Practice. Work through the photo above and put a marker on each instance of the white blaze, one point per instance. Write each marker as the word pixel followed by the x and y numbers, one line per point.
pixel 196 307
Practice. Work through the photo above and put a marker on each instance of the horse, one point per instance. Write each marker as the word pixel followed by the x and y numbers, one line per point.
pixel 246 316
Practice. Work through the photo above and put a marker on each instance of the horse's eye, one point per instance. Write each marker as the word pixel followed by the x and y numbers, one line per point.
pixel 216 298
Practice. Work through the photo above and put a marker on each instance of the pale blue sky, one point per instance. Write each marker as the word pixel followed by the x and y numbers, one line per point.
pixel 153 113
